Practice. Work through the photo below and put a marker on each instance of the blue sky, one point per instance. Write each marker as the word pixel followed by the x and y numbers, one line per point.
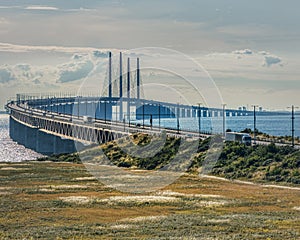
pixel 250 48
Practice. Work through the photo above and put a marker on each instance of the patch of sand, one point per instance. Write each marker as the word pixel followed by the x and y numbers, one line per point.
pixel 177 194
pixel 47 190
pixel 139 199
pixel 211 203
pixel 76 199
pixel 12 168
pixel 282 187
pixel 218 220
pixel 5 193
pixel 122 226
pixel 84 178
pixel 144 218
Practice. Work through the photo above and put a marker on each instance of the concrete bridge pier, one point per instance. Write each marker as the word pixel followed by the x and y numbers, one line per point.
pixel 18 133
pixel 61 145
pixel 11 128
pixel 30 137
pixel 44 143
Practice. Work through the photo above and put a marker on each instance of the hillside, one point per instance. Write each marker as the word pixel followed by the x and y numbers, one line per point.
pixel 236 161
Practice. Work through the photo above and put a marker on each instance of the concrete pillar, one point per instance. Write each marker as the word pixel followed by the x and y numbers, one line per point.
pixel 44 143
pixel 19 133
pixel 11 128
pixel 58 145
pixel 30 137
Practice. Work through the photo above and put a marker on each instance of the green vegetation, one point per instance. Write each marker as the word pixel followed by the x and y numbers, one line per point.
pixel 74 158
pixel 236 161
pixel 260 162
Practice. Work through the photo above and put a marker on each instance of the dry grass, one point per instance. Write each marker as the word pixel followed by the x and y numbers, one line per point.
pixel 61 200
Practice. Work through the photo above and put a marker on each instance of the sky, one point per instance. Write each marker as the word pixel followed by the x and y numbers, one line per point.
pixel 249 49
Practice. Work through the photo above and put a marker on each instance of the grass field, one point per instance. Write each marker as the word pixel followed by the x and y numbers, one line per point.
pixel 46 200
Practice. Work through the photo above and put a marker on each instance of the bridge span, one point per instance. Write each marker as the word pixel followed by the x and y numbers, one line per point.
pixel 52 124
pixel 55 132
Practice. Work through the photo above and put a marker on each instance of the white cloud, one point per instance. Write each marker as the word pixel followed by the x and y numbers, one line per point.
pixel 272 60
pixel 7 47
pixel 41 8
pixel 263 53
pixel 243 52
pixel 79 68
pixel 3 21
pixel 6 74
pixel 241 57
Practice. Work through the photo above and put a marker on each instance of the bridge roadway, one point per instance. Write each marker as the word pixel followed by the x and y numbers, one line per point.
pixel 97 131
pixel 51 132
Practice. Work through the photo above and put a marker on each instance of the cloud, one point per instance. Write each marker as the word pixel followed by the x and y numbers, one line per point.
pixel 243 52
pixel 79 68
pixel 242 56
pixel 3 21
pixel 272 60
pixel 6 75
pixel 263 53
pixel 41 8
pixel 100 54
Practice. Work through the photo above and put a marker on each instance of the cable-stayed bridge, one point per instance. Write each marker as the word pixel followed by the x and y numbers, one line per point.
pixel 51 123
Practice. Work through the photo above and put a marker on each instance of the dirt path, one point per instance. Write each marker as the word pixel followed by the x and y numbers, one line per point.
pixel 251 183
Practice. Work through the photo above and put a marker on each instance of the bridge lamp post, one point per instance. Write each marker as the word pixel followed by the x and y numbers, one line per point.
pixel 105 111
pixel 143 115
pixel 96 107
pixel 124 122
pixel 254 122
pixel 178 112
pixel 116 112
pixel 86 106
pixel 57 105
pixel 159 116
pixel 199 119
pixel 224 115
pixel 293 124
pixel 78 105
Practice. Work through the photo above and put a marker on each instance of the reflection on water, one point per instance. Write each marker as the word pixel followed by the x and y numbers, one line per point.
pixel 10 151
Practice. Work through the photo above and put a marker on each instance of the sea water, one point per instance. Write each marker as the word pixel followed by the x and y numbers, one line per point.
pixel 11 151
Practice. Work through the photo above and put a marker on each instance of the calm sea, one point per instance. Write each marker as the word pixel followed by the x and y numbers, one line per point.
pixel 10 151
pixel 278 125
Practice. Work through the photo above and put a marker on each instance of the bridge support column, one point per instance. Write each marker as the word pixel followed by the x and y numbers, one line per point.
pixel 11 128
pixel 44 143
pixel 19 132
pixel 61 145
pixel 30 137
pixel 58 145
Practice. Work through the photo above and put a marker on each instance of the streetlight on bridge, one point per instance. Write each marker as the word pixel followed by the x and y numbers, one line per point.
pixel 254 122
pixel 224 115
pixel 293 124
pixel 199 119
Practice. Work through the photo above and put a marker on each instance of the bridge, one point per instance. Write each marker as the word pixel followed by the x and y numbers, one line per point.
pixel 54 124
